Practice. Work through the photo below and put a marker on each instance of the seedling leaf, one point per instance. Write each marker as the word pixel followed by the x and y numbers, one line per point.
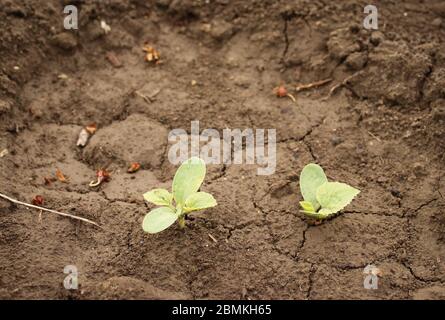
pixel 334 196
pixel 159 219
pixel 307 206
pixel 311 178
pixel 199 201
pixel 184 198
pixel 188 179
pixel 160 197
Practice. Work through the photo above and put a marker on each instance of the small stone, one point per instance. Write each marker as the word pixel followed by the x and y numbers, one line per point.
pixel 418 169
pixel 356 60
pixel 221 30
pixel 163 3
pixel 35 111
pixel 437 22
pixel 438 110
pixel 336 140
pixel 376 38
pixel 65 41
pixel 5 106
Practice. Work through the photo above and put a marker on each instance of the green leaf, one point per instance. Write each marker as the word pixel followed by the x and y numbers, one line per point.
pixel 199 201
pixel 311 178
pixel 188 179
pixel 334 196
pixel 160 197
pixel 307 206
pixel 159 219
pixel 320 215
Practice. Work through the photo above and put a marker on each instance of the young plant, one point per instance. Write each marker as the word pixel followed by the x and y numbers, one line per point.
pixel 184 198
pixel 322 198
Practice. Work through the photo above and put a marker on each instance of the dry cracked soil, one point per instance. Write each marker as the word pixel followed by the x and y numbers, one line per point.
pixel 381 130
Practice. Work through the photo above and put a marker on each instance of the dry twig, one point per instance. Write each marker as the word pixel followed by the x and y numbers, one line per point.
pixel 47 210
pixel 311 85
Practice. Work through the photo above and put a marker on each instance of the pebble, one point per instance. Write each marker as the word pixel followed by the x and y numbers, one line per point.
pixel 437 22
pixel 65 41
pixel 356 60
pixel 376 38
pixel 336 140
pixel 5 106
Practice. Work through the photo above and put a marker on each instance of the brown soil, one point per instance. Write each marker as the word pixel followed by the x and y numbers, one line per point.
pixel 382 132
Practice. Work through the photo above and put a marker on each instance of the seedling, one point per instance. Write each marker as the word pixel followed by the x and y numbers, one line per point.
pixel 184 198
pixel 323 199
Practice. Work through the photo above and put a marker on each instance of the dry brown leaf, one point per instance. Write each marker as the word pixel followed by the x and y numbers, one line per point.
pixel 91 128
pixel 48 181
pixel 152 55
pixel 135 166
pixel 61 176
pixel 37 201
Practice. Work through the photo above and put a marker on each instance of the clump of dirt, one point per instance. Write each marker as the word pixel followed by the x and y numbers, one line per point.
pixel 377 125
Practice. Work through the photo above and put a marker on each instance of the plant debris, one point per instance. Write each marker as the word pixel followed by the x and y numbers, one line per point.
pixel 105 27
pixel 85 134
pixel 47 210
pixel 311 85
pixel 213 238
pixel 134 166
pixel 150 98
pixel 102 176
pixel 152 55
pixel 113 59
pixel 91 128
pixel 281 92
pixel 37 201
pixel 48 181
pixel 3 153
pixel 61 176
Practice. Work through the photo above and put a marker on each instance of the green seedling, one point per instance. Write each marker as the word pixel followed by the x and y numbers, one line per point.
pixel 184 198
pixel 322 198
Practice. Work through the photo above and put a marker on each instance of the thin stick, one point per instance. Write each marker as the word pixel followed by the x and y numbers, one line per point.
pixel 337 86
pixel 213 238
pixel 311 85
pixel 374 136
pixel 48 210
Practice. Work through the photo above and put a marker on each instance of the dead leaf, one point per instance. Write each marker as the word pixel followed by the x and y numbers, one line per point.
pixel 37 201
pixel 48 181
pixel 135 166
pixel 61 176
pixel 152 55
pixel 3 153
pixel 105 27
pixel 91 128
pixel 83 138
